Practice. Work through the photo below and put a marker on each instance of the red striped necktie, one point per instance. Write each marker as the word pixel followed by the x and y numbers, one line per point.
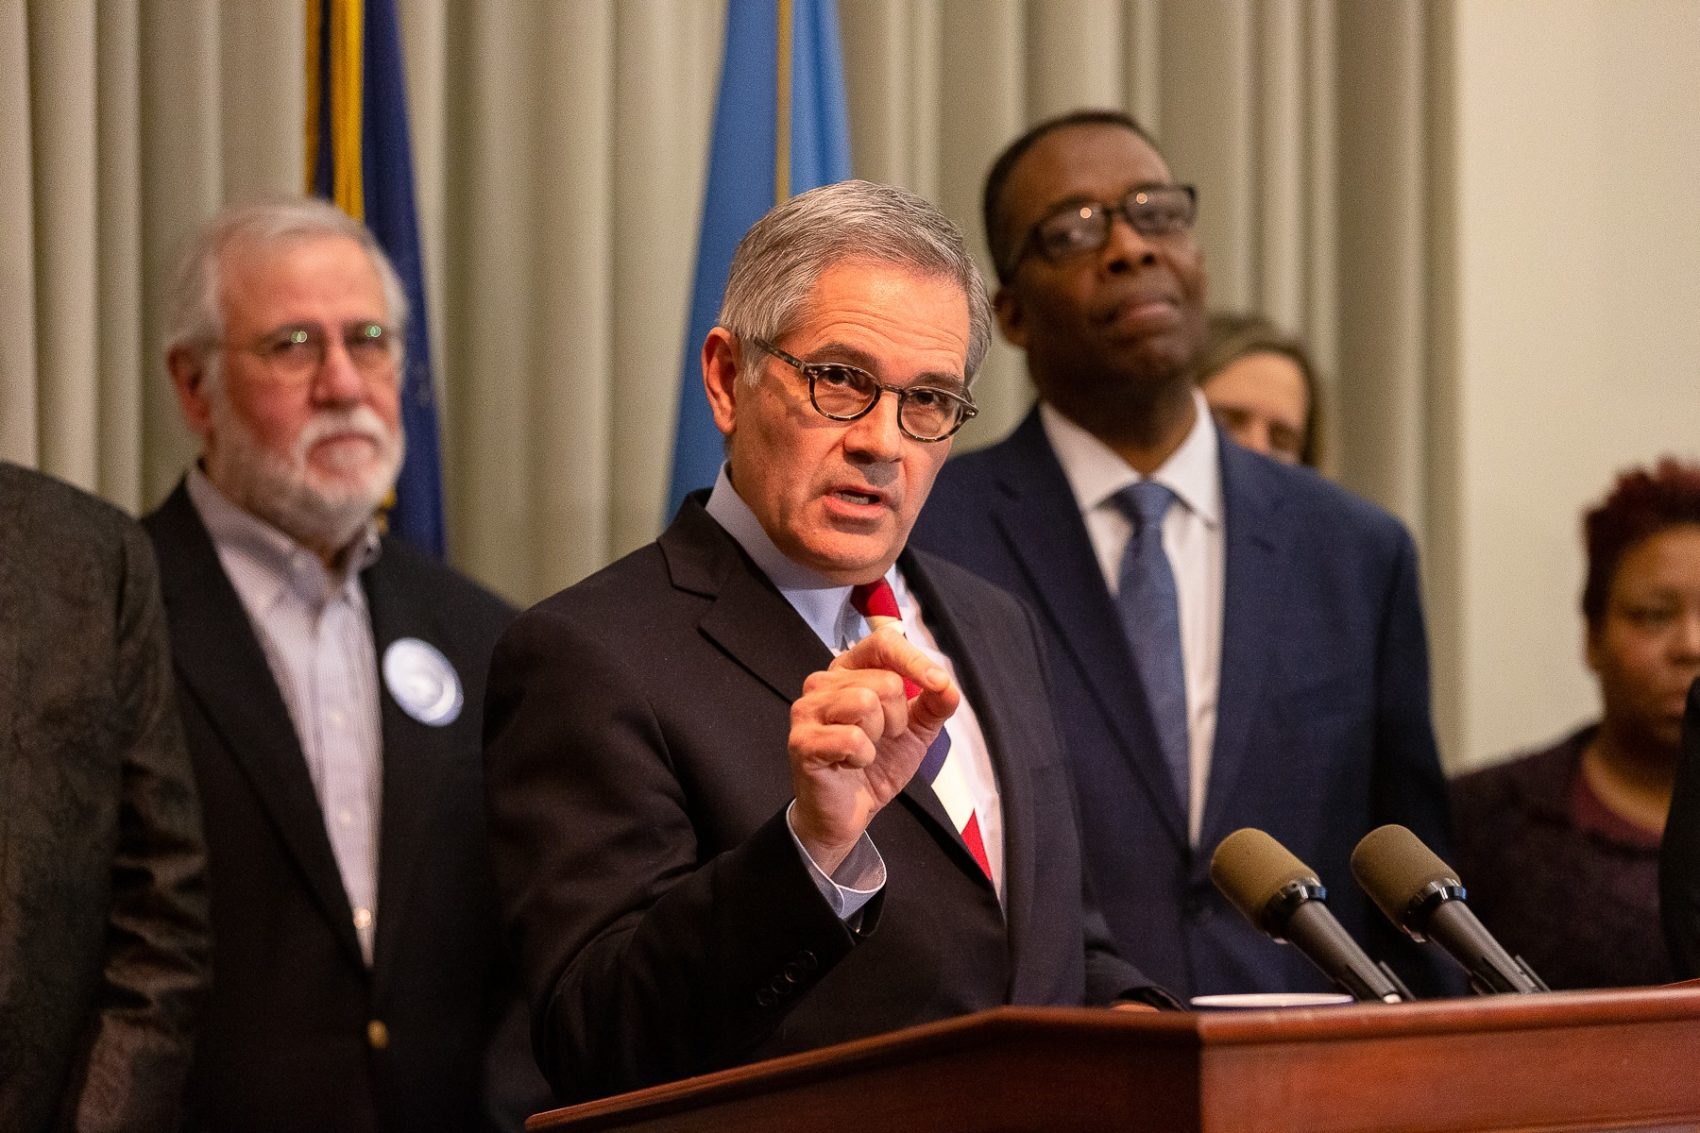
pixel 878 607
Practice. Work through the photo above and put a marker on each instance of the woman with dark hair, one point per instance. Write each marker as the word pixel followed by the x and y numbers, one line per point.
pixel 1576 827
pixel 1261 387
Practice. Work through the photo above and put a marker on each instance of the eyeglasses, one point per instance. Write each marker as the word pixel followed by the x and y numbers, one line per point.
pixel 841 392
pixel 294 354
pixel 1150 210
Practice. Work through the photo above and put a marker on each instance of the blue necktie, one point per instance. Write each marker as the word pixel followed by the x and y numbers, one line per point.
pixel 1151 619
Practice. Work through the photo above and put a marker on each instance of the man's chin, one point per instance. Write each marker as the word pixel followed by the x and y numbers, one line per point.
pixel 345 486
pixel 326 526
pixel 342 502
pixel 353 460
pixel 319 511
pixel 852 559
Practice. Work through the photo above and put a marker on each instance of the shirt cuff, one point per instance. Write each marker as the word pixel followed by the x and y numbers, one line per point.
pixel 856 881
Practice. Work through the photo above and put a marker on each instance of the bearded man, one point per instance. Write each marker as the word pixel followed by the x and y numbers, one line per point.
pixel 331 684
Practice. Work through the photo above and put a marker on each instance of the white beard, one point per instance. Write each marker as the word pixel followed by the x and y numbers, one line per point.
pixel 320 510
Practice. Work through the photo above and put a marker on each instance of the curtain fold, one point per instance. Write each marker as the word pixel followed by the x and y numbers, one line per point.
pixel 18 405
pixel 560 152
pixel 62 131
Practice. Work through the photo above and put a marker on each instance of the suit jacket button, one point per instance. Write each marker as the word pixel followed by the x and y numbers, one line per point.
pixel 766 997
pixel 377 1035
pixel 806 961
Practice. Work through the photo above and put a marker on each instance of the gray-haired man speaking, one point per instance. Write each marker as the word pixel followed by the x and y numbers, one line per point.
pixel 772 781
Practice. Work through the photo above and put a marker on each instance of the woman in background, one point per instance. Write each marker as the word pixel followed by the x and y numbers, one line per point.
pixel 1261 387
pixel 1559 850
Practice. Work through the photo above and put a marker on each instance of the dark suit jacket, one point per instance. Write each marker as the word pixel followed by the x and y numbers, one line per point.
pixel 289 1043
pixel 1322 723
pixel 1679 855
pixel 638 779
pixel 103 904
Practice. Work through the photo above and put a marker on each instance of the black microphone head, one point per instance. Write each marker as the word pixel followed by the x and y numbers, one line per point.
pixel 1252 870
pixel 1397 871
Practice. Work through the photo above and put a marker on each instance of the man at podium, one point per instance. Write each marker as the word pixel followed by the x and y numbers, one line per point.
pixel 773 781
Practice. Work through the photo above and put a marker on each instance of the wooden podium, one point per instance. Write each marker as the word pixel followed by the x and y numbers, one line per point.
pixel 1565 1060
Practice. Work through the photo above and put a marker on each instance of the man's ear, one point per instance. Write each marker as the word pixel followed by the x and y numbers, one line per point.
pixel 720 370
pixel 189 379
pixel 1012 318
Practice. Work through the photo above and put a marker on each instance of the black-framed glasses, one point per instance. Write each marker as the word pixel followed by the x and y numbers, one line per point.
pixel 295 354
pixel 1084 226
pixel 842 392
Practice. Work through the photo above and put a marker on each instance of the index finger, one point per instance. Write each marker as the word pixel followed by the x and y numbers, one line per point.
pixel 888 649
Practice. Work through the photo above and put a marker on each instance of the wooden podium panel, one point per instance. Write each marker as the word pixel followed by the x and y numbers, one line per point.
pixel 1559 1061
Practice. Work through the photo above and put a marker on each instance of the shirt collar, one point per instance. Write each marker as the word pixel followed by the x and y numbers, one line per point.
pixel 822 603
pixel 1096 473
pixel 277 560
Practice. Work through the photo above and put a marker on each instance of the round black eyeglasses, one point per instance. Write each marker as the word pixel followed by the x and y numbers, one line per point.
pixel 842 392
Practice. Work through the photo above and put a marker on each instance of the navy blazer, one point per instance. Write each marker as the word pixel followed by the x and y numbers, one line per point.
pixel 301 1034
pixel 1322 722
pixel 638 781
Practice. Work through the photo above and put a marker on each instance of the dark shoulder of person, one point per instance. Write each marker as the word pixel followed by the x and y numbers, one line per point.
pixel 459 601
pixel 66 510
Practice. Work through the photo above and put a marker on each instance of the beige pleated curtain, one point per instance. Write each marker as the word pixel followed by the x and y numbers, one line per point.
pixel 560 151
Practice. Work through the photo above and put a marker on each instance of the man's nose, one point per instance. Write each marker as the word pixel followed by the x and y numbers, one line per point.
pixel 1123 243
pixel 338 379
pixel 875 434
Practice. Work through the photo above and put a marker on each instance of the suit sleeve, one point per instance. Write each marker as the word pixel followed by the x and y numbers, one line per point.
pixel 643 962
pixel 1111 979
pixel 1679 855
pixel 1409 787
pixel 157 961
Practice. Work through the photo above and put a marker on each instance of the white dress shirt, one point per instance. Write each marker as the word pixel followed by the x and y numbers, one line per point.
pixel 317 638
pixel 1194 541
pixel 825 606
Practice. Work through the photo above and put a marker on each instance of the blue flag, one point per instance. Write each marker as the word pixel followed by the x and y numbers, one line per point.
pixel 359 156
pixel 780 127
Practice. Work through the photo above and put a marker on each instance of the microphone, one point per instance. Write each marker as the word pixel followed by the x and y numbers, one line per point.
pixel 1422 895
pixel 1283 897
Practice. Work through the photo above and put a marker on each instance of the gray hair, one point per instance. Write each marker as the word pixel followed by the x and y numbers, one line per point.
pixel 782 256
pixel 196 320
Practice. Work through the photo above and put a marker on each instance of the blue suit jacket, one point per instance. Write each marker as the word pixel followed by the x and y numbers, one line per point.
pixel 1322 725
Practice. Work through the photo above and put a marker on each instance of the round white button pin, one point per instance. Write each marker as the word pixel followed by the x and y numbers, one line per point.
pixel 422 681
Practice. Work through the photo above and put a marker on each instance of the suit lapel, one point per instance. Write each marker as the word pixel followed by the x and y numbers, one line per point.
pixel 223 668
pixel 1038 519
pixel 1254 579
pixel 968 641
pixel 747 617
pixel 416 759
pixel 750 620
